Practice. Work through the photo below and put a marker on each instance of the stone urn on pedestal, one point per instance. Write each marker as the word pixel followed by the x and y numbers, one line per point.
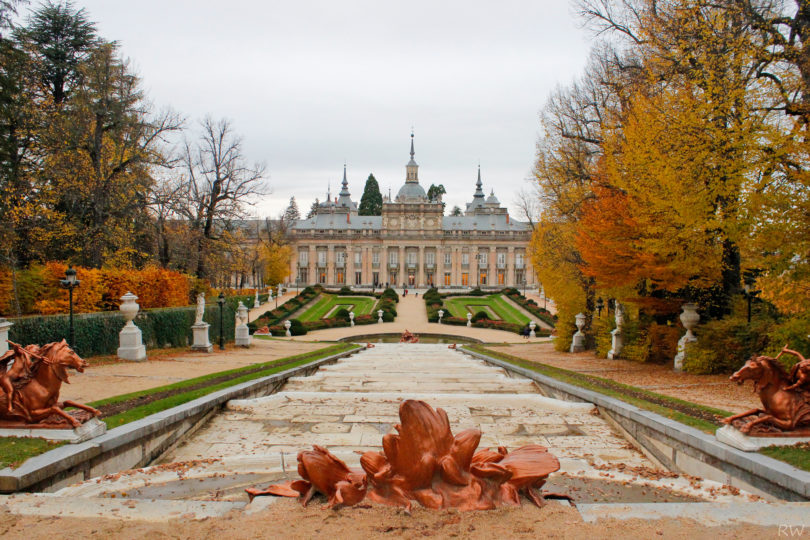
pixel 199 330
pixel 242 338
pixel 578 340
pixel 532 326
pixel 130 339
pixel 441 314
pixel 351 319
pixel 689 319
pixel 469 319
pixel 616 343
pixel 379 316
pixel 287 325
pixel 256 302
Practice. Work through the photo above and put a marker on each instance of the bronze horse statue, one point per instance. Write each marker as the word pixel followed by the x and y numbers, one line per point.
pixel 16 364
pixel 37 392
pixel 785 405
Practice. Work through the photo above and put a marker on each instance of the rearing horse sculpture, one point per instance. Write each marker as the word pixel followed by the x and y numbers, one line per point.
pixel 39 391
pixel 785 406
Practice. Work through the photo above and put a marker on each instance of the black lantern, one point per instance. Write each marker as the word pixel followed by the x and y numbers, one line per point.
pixel 70 282
pixel 599 305
pixel 749 280
pixel 221 302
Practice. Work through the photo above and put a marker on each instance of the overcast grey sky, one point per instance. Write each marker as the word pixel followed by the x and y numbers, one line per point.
pixel 309 84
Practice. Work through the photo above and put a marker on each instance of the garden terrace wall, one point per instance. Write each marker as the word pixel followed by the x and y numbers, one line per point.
pixel 139 443
pixel 678 447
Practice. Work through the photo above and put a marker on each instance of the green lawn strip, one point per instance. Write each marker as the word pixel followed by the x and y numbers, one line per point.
pixel 798 455
pixel 621 391
pixel 458 307
pixel 312 355
pixel 15 450
pixel 362 306
pixel 505 308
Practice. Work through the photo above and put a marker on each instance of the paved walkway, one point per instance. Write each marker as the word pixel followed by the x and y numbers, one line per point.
pixel 350 405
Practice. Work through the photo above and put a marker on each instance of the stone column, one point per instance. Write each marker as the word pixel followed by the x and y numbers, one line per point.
pixel 348 266
pixel 492 273
pixel 510 266
pixel 420 267
pixel 403 268
pixel 438 270
pixel 474 267
pixel 312 268
pixel 4 328
pixel 330 265
pixel 130 339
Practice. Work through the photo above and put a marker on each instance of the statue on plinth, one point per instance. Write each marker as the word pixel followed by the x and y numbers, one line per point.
pixel 35 375
pixel 785 398
pixel 200 308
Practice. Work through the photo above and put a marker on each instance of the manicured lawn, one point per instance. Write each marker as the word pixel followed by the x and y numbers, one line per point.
pixel 460 305
pixel 361 305
pixel 15 450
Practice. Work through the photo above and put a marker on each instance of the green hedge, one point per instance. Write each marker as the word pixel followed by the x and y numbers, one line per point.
pixel 97 333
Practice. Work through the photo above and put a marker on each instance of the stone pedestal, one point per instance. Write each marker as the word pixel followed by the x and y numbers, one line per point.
pixel 4 327
pixel 689 318
pixel 130 339
pixel 532 326
pixel 616 344
pixel 201 340
pixel 242 336
pixel 735 438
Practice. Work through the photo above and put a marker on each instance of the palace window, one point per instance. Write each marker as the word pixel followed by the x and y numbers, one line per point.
pixel 340 257
pixel 375 257
pixel 447 280
pixel 482 258
pixel 448 258
pixel 303 258
pixel 358 278
pixel 482 278
pixel 393 257
pixel 430 258
pixel 501 259
pixel 465 279
pixel 322 278
pixel 322 259
pixel 357 258
pixel 339 277
pixel 465 259
pixel 411 257
pixel 518 260
pixel 501 278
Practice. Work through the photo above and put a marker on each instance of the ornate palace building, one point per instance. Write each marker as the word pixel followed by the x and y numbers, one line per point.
pixel 412 243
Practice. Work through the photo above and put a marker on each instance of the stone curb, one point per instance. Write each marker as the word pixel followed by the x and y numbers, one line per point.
pixel 784 515
pixel 705 447
pixel 49 464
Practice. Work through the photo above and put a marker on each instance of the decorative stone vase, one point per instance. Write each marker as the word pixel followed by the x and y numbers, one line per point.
pixel 242 337
pixel 469 319
pixel 616 342
pixel 578 340
pixel 379 315
pixel 689 319
pixel 287 325
pixel 351 319
pixel 532 326
pixel 441 314
pixel 130 339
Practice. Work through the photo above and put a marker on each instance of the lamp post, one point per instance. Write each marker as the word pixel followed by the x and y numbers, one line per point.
pixel 70 282
pixel 221 302
pixel 749 292
pixel 599 305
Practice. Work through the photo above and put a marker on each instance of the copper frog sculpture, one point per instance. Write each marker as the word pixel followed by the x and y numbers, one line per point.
pixel 425 463
pixel 785 396
pixel 30 379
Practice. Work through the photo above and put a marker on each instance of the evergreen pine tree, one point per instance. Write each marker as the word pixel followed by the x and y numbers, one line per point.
pixel 292 213
pixel 313 209
pixel 371 201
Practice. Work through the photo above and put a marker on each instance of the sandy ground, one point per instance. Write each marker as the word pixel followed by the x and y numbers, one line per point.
pixel 287 519
pixel 711 390
pixel 124 377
